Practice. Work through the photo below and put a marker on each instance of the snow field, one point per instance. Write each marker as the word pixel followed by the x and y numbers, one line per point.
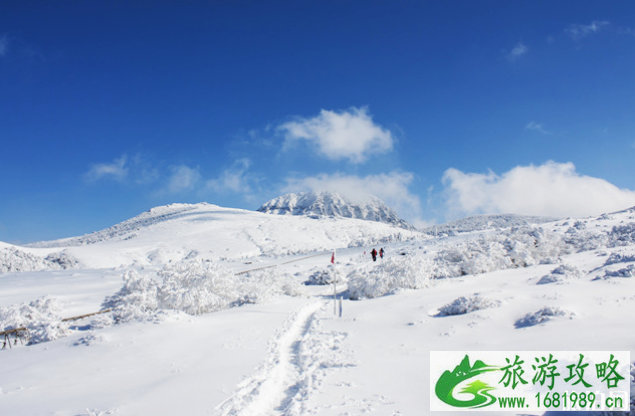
pixel 185 365
pixel 289 355
pixel 296 363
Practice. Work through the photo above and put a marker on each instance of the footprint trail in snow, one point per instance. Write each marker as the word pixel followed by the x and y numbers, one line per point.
pixel 296 363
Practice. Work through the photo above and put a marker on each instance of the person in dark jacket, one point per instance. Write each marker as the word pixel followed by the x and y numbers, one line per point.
pixel 374 254
pixel 381 252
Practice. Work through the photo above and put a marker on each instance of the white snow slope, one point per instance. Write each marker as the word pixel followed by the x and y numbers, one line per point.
pixel 188 335
pixel 172 232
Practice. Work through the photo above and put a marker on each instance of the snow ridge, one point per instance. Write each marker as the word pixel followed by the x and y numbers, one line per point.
pixel 332 204
pixel 126 229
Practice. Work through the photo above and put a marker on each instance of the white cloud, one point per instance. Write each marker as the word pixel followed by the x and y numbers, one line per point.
pixel 348 135
pixel 532 125
pixel 626 31
pixel 147 175
pixel 4 45
pixel 183 178
pixel 519 50
pixel 392 188
pixel 577 31
pixel 116 170
pixel 235 179
pixel 550 189
pixel 133 169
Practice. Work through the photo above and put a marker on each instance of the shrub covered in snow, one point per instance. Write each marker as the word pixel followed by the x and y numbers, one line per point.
pixel 561 273
pixel 628 271
pixel 467 304
pixel 471 257
pixel 583 240
pixel 193 286
pixel 615 258
pixel 389 276
pixel 528 246
pixel 40 317
pixel 14 260
pixel 622 235
pixel 62 259
pixel 517 247
pixel 197 287
pixel 136 300
pixel 543 315
pixel 325 276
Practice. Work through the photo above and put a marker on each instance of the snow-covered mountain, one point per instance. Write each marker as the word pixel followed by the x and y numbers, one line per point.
pixel 333 204
pixel 487 222
pixel 204 310
pixel 172 232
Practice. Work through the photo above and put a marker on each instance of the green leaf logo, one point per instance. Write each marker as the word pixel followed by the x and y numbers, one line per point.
pixel 448 381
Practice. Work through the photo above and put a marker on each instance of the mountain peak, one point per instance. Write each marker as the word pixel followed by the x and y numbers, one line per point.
pixel 333 204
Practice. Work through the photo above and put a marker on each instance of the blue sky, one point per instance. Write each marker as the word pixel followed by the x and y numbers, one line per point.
pixel 443 109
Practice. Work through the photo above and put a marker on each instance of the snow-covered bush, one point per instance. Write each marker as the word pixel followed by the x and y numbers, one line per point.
pixel 193 286
pixel 197 287
pixel 535 245
pixel 40 317
pixel 14 260
pixel 543 315
pixel 582 240
pixel 471 257
pixel 615 258
pixel 391 275
pixel 561 273
pixel 467 304
pixel 517 247
pixel 259 286
pixel 291 287
pixel 136 300
pixel 62 259
pixel 579 225
pixel 622 235
pixel 628 271
pixel 325 276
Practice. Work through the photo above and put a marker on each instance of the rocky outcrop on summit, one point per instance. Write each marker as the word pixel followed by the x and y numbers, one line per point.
pixel 332 204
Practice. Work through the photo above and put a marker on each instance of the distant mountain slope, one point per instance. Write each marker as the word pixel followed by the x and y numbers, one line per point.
pixel 126 229
pixel 486 222
pixel 175 231
pixel 332 204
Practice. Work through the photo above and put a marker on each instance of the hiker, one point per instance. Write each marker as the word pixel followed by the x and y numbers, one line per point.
pixel 374 254
pixel 381 252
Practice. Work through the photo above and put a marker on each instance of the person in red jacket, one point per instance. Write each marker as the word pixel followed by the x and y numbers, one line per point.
pixel 374 254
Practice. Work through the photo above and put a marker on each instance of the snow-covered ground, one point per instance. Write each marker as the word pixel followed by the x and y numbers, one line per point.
pixel 189 333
